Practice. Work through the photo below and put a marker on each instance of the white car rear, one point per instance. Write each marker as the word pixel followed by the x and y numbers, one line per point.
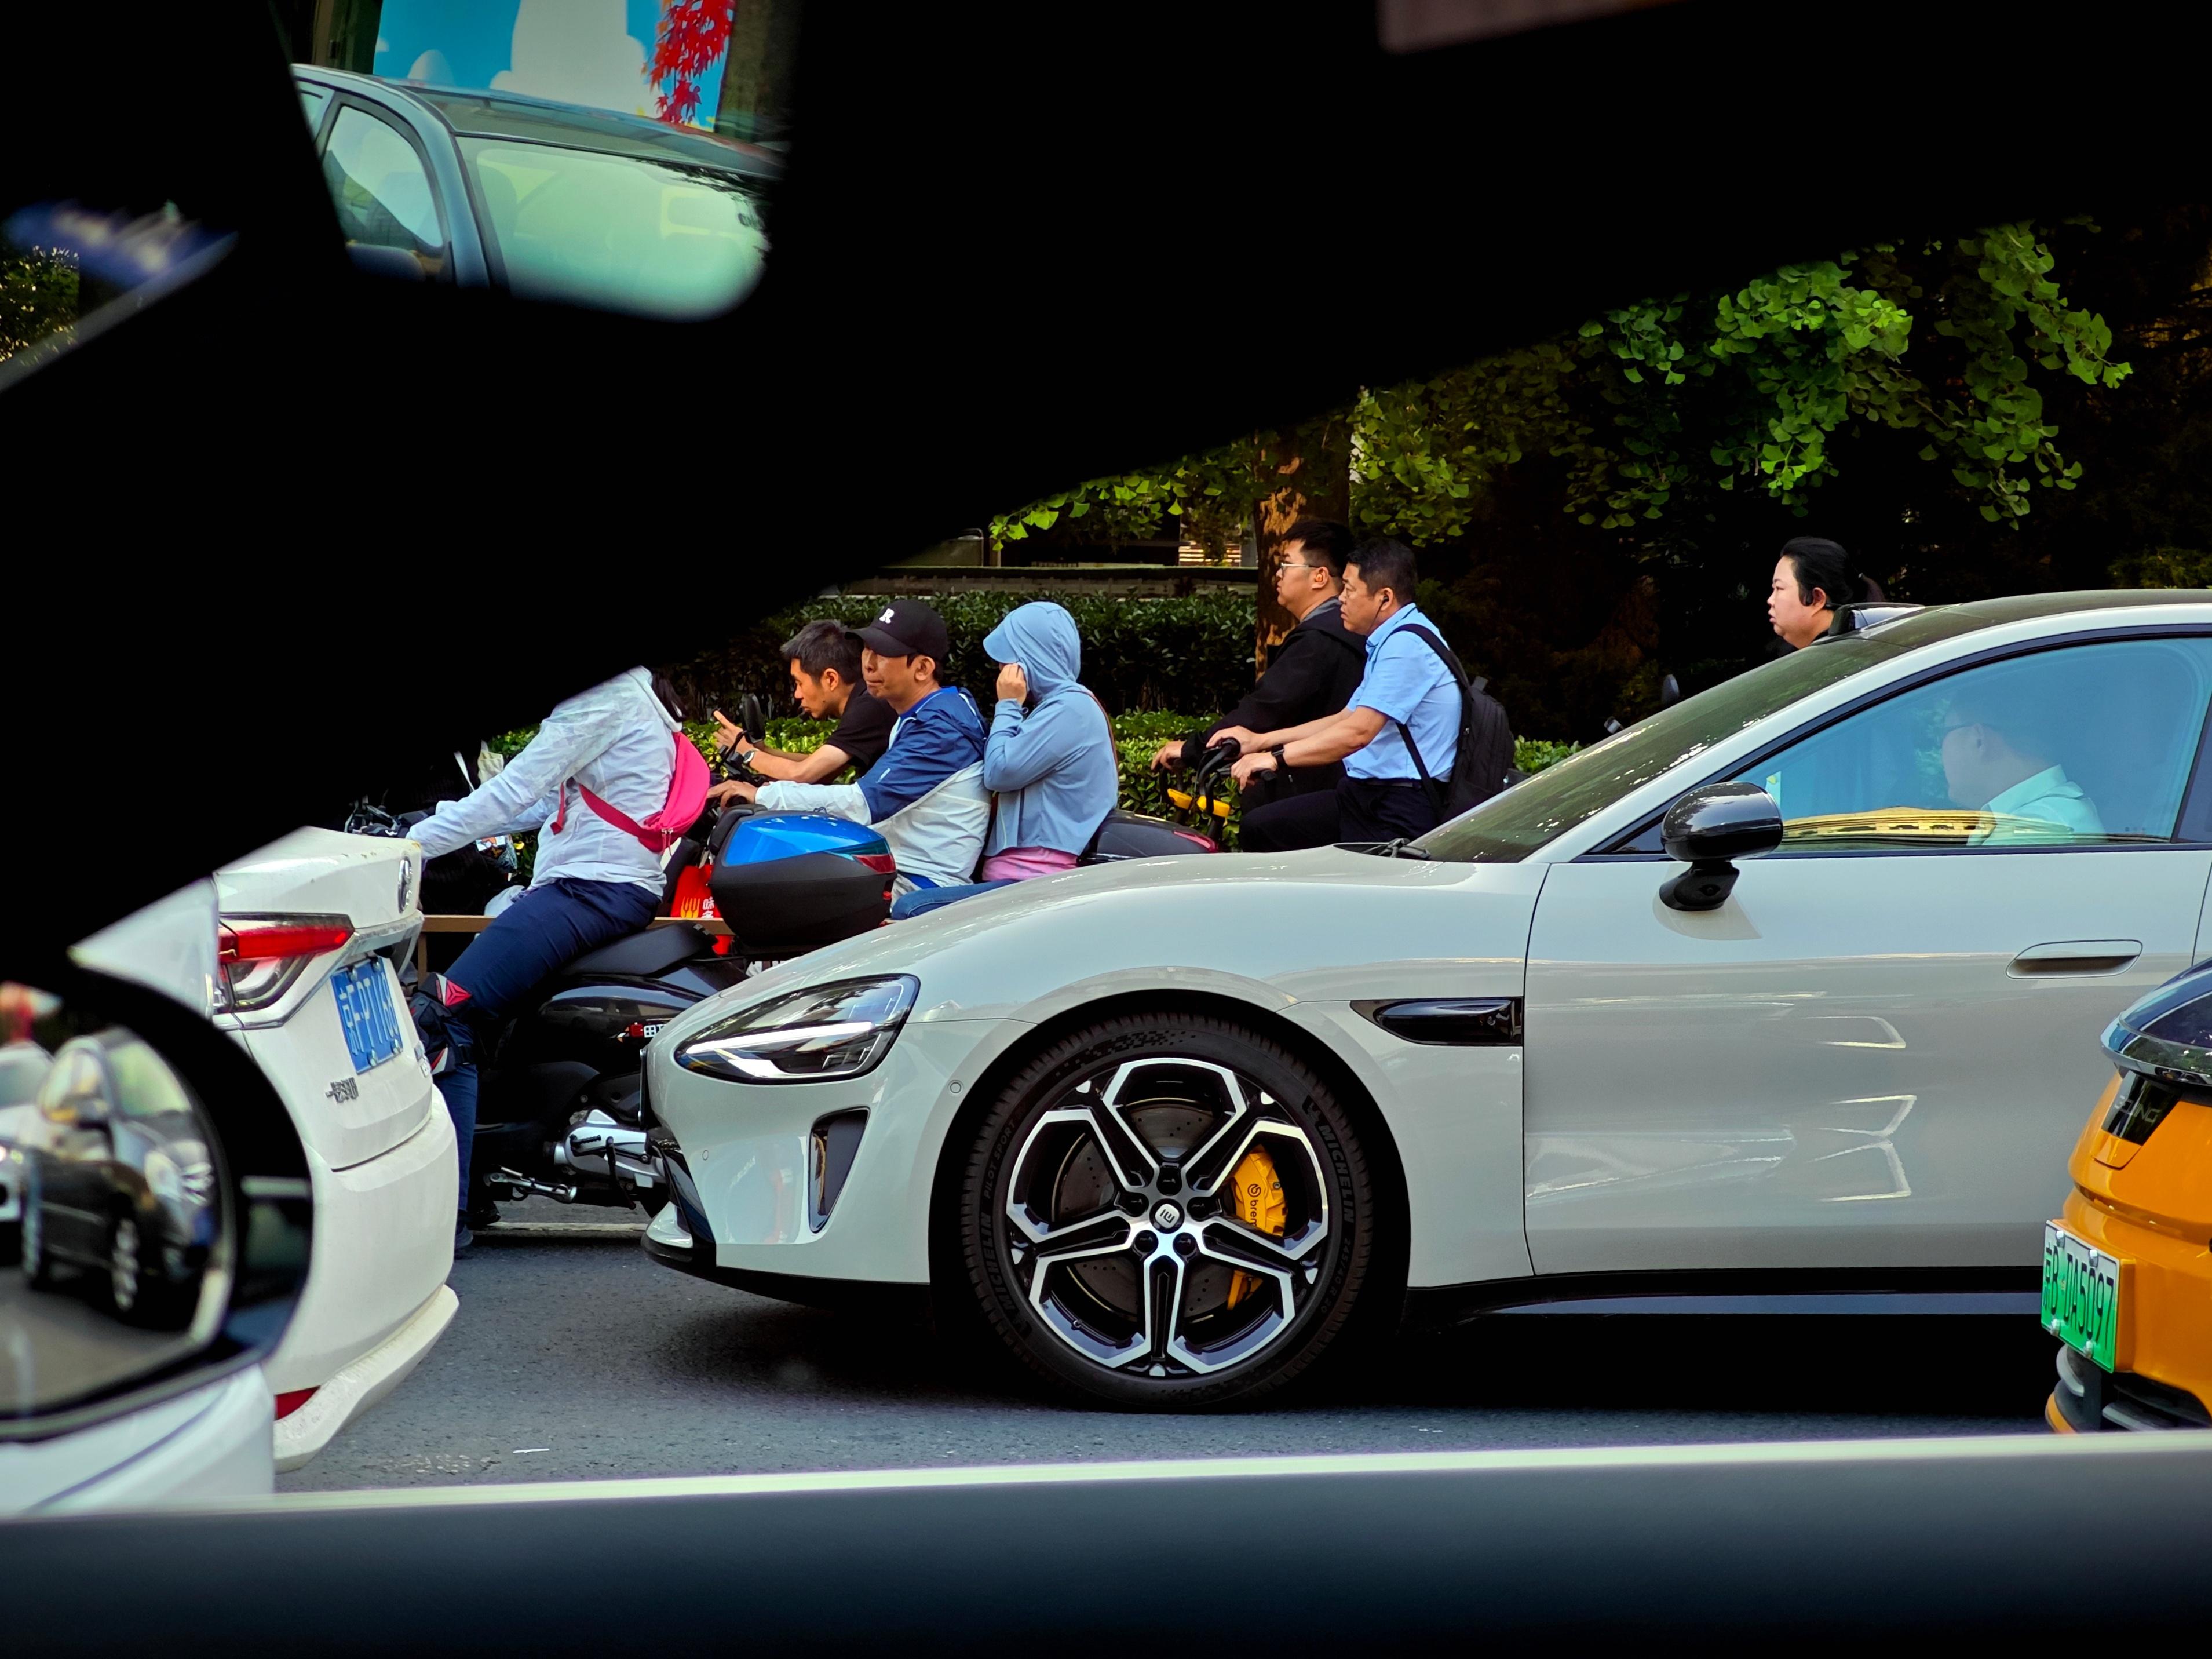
pixel 315 927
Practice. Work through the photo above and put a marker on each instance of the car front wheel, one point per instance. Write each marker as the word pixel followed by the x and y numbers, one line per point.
pixel 1167 1210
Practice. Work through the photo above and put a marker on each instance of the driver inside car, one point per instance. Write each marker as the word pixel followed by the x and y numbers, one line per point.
pixel 594 881
pixel 1995 759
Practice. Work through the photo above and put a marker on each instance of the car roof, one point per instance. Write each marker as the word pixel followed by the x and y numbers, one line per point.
pixel 1941 622
pixel 475 113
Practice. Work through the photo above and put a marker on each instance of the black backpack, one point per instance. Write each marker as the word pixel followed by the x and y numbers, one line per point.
pixel 1485 741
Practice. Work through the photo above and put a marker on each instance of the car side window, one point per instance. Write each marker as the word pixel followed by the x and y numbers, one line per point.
pixel 2086 746
pixel 144 1085
pixel 381 187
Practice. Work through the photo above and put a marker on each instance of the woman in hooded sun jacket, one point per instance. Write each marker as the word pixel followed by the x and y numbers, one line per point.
pixel 1049 762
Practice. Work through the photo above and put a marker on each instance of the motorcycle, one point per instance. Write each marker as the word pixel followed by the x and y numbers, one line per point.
pixel 559 1110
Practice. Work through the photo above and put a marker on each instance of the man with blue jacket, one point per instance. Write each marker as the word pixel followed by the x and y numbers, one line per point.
pixel 1049 759
pixel 927 794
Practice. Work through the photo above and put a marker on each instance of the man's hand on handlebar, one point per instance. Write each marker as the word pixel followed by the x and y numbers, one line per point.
pixel 1167 756
pixel 728 734
pixel 1253 766
pixel 723 793
pixel 1242 737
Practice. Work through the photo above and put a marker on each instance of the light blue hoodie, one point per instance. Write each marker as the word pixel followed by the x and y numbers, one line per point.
pixel 1052 764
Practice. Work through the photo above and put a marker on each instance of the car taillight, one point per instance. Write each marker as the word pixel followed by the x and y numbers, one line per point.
pixel 291 1399
pixel 261 957
pixel 881 863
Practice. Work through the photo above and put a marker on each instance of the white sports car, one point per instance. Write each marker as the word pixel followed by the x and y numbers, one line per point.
pixel 1168 1129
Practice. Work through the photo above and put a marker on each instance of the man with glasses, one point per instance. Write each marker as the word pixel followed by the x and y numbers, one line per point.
pixel 1312 673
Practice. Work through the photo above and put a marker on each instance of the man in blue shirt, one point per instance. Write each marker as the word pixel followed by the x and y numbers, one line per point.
pixel 1409 700
pixel 927 794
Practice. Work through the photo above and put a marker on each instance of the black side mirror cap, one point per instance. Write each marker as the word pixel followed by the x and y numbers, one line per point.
pixel 1706 830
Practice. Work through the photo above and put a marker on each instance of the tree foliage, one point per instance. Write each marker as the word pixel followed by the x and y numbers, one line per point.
pixel 1656 407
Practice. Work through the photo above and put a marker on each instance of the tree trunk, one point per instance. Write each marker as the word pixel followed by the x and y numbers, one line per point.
pixel 1315 464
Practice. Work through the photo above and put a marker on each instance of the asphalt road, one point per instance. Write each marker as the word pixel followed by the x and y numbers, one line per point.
pixel 576 1357
pixel 59 1344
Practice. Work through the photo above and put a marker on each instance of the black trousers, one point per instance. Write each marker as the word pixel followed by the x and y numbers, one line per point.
pixel 1358 809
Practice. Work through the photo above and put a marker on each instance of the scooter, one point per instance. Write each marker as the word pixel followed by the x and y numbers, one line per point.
pixel 559 1112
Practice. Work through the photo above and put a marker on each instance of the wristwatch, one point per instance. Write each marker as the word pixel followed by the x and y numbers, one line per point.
pixel 1282 766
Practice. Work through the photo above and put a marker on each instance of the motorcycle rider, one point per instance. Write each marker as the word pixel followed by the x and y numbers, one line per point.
pixel 926 793
pixel 1049 759
pixel 1399 729
pixel 1311 674
pixel 593 882
pixel 825 674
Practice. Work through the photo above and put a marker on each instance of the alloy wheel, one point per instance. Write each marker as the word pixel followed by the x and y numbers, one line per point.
pixel 1170 1211
pixel 122 1264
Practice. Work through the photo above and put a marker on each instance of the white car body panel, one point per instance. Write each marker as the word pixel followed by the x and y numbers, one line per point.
pixel 1714 1091
pixel 1809 1077
pixel 212 1443
pixel 1461 930
pixel 380 1143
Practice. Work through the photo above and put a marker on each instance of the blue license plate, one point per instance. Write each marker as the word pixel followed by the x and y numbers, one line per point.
pixel 366 1015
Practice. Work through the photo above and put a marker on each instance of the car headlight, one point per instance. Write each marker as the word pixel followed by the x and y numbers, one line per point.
pixel 807 1036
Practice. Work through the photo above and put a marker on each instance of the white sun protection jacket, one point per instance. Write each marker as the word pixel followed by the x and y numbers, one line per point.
pixel 612 738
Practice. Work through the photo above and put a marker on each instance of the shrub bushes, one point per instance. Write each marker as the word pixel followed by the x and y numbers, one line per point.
pixel 1137 654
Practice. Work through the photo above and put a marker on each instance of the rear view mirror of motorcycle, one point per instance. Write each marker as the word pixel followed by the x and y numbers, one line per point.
pixel 156 1209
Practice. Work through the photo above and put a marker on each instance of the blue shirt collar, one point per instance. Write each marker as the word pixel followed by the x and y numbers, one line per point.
pixel 1397 619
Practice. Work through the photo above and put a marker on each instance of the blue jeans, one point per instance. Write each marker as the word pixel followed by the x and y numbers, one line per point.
pixel 546 927
pixel 923 900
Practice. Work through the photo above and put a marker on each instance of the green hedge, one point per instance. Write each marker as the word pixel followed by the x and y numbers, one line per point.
pixel 1135 738
pixel 1137 654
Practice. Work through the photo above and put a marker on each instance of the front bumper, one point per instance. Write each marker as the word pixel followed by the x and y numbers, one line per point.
pixel 753 1169
pixel 2162 1359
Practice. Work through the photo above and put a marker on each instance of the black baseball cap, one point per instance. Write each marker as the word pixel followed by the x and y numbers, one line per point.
pixel 906 627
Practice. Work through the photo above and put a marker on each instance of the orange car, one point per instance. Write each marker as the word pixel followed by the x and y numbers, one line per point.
pixel 2127 1274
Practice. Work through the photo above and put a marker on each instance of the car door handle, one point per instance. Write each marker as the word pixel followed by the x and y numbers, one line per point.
pixel 2075 956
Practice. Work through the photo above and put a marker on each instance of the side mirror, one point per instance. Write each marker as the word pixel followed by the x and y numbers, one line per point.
pixel 163 1265
pixel 1707 829
pixel 1670 692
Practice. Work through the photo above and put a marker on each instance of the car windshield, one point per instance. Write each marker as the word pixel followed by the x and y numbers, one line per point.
pixel 1508 826
pixel 656 236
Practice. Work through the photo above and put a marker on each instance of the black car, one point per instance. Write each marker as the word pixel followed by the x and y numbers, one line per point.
pixel 120 1182
pixel 547 200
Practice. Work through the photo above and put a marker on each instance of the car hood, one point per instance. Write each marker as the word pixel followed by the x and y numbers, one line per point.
pixel 1273 928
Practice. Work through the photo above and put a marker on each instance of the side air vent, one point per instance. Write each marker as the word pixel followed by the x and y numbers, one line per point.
pixel 1460 1022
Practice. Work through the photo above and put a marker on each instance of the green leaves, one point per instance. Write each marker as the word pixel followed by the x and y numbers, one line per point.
pixel 1653 404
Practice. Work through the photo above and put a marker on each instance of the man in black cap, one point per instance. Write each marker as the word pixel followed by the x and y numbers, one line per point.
pixel 926 793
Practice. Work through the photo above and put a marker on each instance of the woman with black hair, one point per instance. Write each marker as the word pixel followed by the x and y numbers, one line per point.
pixel 1813 580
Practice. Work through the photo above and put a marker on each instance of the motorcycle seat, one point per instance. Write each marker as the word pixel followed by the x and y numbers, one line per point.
pixel 641 956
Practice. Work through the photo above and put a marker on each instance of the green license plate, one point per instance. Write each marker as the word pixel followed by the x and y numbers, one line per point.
pixel 2080 1296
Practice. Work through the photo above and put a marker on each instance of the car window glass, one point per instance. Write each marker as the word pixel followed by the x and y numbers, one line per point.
pixel 383 195
pixel 143 1085
pixel 2091 746
pixel 673 239
pixel 311 101
pixel 1508 826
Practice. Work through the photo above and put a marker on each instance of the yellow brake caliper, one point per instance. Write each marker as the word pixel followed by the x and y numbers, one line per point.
pixel 1259 1203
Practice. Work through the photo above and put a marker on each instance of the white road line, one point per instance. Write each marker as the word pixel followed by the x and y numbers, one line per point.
pixel 1926 1453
